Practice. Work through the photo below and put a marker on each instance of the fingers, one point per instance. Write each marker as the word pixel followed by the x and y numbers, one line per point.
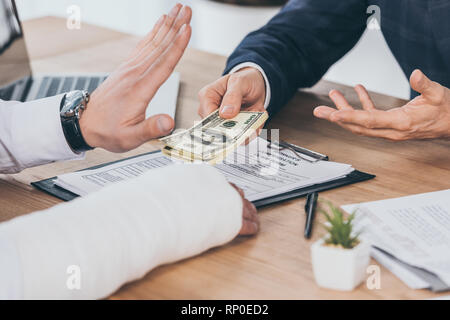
pixel 341 103
pixel 250 220
pixel 250 212
pixel 160 71
pixel 389 134
pixel 391 125
pixel 169 29
pixel 210 96
pixel 431 90
pixel 174 52
pixel 324 112
pixel 131 137
pixel 152 128
pixel 249 228
pixel 149 37
pixel 369 118
pixel 364 97
pixel 184 17
pixel 168 24
pixel 339 100
pixel 232 100
pixel 398 124
pixel 239 190
pixel 375 119
pixel 244 89
pixel 250 224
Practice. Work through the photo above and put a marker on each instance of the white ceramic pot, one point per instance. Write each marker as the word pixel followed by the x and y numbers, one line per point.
pixel 340 269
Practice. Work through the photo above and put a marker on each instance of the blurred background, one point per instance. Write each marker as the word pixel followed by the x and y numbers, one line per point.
pixel 219 26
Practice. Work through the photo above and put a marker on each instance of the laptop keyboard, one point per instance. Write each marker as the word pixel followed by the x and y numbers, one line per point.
pixel 43 88
pixel 6 93
pixel 68 84
pixel 51 86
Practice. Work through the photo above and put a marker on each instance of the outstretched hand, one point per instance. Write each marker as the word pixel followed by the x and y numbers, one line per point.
pixel 425 117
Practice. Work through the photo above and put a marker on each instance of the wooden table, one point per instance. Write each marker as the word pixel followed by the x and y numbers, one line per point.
pixel 276 263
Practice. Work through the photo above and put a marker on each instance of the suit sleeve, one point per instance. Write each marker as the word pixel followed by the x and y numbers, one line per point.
pixel 297 47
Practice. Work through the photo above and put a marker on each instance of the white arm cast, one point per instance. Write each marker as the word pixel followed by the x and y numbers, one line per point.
pixel 120 233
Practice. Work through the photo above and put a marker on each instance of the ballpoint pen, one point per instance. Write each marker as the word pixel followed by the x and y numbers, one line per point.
pixel 310 210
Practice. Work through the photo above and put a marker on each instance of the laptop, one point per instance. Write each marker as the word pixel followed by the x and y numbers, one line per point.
pixel 17 81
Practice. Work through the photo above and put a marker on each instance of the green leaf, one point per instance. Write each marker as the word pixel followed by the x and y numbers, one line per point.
pixel 341 228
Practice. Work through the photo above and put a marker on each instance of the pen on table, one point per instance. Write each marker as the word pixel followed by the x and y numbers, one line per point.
pixel 310 209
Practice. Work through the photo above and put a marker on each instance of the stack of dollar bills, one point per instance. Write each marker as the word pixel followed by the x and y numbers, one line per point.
pixel 213 138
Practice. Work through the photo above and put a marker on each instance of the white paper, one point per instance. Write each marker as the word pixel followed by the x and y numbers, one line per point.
pixel 408 277
pixel 441 298
pixel 262 172
pixel 85 182
pixel 259 171
pixel 414 229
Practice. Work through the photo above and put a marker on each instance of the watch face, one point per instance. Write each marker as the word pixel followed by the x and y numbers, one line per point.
pixel 68 113
pixel 72 103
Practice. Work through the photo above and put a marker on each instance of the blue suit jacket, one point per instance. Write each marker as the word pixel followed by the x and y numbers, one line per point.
pixel 306 37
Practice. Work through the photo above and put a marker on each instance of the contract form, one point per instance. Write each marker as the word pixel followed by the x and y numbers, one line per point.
pixel 260 171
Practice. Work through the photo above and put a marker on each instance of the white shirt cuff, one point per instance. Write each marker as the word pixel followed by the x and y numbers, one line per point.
pixel 266 80
pixel 32 135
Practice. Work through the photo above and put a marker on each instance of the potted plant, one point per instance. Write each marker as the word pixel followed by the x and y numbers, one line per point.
pixel 341 258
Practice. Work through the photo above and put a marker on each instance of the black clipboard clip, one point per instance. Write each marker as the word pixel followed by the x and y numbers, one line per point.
pixel 298 151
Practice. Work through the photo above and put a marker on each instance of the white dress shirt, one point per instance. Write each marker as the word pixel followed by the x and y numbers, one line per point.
pixel 31 134
pixel 88 248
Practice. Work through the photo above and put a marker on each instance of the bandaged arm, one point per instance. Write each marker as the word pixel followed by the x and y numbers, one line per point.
pixel 118 234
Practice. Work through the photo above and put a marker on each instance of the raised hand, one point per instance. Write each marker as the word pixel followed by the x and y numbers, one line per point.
pixel 115 115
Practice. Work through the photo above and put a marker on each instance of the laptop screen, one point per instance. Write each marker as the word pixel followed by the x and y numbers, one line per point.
pixel 14 61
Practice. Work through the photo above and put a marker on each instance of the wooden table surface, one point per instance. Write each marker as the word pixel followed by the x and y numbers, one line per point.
pixel 275 264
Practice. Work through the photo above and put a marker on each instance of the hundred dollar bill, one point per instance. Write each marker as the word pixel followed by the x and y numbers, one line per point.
pixel 213 138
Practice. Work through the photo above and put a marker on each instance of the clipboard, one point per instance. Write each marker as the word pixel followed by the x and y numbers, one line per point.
pixel 48 185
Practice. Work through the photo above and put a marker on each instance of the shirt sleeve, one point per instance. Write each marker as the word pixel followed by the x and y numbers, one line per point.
pixel 261 70
pixel 90 247
pixel 31 134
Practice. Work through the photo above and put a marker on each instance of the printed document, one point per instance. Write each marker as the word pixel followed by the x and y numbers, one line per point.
pixel 259 170
pixel 413 229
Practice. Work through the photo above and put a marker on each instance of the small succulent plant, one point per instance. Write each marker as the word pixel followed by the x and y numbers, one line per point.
pixel 340 229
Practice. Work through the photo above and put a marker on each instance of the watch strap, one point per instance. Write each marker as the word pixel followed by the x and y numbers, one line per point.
pixel 72 132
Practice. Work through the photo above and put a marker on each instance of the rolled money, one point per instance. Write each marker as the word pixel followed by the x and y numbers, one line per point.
pixel 213 138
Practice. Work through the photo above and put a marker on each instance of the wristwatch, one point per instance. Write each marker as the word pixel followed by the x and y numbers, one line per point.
pixel 72 105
